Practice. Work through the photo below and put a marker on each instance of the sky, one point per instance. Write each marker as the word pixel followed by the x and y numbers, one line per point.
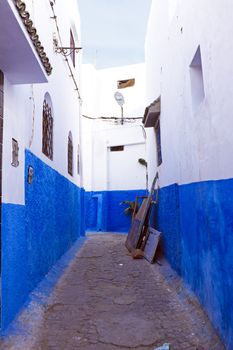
pixel 113 31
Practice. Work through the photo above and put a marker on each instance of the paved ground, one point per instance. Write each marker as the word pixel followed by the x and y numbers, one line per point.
pixel 107 301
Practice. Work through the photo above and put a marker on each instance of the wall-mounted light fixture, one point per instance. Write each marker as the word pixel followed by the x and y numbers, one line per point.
pixel 120 100
pixel 30 174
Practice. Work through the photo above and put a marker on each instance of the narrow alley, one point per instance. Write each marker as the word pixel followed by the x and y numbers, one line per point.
pixel 116 118
pixel 105 300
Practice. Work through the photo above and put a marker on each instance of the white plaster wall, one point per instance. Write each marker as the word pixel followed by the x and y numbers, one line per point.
pixel 89 88
pixel 155 49
pixel 124 170
pixel 24 103
pixel 196 144
pixel 97 138
pixel 98 88
pixel 87 153
pixel 130 176
pixel 134 96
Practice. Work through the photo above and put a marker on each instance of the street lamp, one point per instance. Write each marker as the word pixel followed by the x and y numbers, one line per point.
pixel 120 100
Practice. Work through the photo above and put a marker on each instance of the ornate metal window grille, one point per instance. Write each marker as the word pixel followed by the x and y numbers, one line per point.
pixel 47 139
pixel 70 154
pixel 72 48
pixel 78 160
pixel 158 143
pixel 15 153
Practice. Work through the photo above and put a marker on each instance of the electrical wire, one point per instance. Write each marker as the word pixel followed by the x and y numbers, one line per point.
pixel 111 118
pixel 66 59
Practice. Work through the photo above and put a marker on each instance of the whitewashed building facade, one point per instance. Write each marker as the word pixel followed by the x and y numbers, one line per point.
pixel 111 171
pixel 41 196
pixel 189 99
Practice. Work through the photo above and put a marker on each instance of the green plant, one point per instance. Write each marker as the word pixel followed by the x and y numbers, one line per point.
pixel 131 207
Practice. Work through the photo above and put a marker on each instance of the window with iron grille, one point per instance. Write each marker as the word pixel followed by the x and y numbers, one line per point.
pixel 47 138
pixel 78 161
pixel 72 48
pixel 158 143
pixel 70 154
pixel 15 153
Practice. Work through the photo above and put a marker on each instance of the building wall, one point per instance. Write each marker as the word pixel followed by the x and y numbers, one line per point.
pixel 195 209
pixel 116 177
pixel 112 177
pixel 41 220
pixel 99 86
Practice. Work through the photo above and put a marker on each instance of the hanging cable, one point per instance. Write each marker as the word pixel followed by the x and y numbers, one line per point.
pixel 65 58
pixel 111 118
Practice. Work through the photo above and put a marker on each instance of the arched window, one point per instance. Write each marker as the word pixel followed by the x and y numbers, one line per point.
pixel 47 137
pixel 70 154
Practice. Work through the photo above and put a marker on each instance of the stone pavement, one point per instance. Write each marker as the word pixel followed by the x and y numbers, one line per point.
pixel 105 300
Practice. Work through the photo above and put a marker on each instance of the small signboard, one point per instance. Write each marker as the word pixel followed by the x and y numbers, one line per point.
pixel 151 244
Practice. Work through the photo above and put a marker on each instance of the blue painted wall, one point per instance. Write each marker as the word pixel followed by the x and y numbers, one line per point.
pixel 36 235
pixel 197 225
pixel 104 211
pixel 15 281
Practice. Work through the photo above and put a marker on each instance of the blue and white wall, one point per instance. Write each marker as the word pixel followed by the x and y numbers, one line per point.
pixel 112 177
pixel 196 176
pixel 40 221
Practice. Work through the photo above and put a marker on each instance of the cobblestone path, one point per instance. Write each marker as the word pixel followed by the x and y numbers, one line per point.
pixel 107 301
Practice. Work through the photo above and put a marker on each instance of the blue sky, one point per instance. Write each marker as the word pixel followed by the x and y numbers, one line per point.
pixel 113 31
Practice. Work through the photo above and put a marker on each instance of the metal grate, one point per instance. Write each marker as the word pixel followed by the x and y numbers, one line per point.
pixel 117 148
pixel 15 153
pixel 78 160
pixel 158 143
pixel 47 140
pixel 70 154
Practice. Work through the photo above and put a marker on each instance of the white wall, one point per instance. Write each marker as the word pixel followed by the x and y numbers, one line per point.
pixel 102 169
pixel 99 86
pixel 131 175
pixel 24 103
pixel 98 161
pixel 196 144
pixel 124 170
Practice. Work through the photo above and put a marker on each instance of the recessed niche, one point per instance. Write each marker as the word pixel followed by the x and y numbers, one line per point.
pixel 197 80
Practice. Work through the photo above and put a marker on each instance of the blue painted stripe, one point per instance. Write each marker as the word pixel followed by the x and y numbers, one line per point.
pixel 104 211
pixel 15 282
pixel 36 235
pixel 40 295
pixel 197 225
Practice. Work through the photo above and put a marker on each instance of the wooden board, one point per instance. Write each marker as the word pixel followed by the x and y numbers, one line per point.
pixel 138 229
pixel 151 244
